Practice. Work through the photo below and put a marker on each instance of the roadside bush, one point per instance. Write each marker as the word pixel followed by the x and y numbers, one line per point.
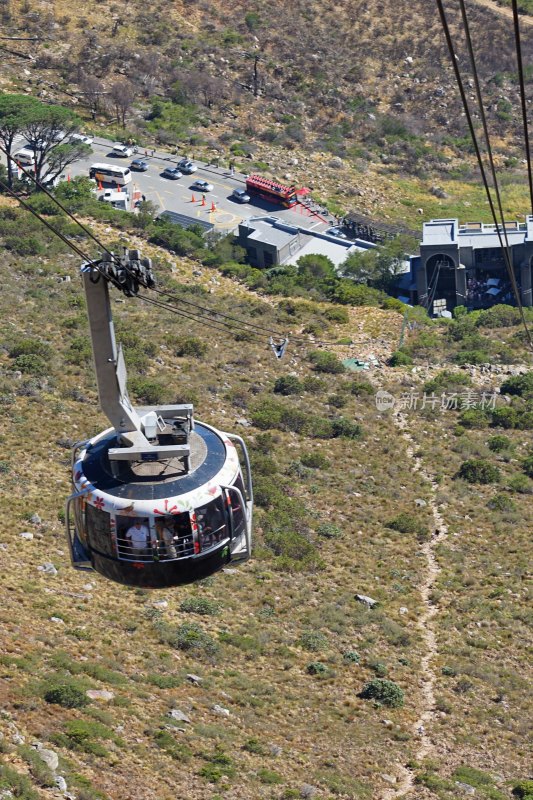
pixel 477 470
pixel 324 361
pixel 288 384
pixel 385 692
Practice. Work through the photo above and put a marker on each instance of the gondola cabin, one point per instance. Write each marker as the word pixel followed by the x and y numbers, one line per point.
pixel 159 499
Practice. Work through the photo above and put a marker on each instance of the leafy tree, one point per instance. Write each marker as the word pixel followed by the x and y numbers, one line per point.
pixel 386 692
pixel 313 269
pixel 378 267
pixel 14 109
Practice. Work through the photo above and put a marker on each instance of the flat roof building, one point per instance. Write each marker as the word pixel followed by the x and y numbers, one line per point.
pixel 465 264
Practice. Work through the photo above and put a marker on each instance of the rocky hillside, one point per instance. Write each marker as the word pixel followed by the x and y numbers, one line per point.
pixel 374 647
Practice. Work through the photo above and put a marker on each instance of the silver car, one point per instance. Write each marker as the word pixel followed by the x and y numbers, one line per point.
pixel 202 186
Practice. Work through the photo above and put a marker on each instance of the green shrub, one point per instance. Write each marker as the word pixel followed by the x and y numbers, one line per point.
pixel 288 384
pixel 336 314
pixel 499 443
pixel 30 364
pixel 446 381
pixel 199 605
pixel 68 695
pixel 148 390
pixel 314 641
pixel 501 502
pixel 520 484
pixel 360 387
pixel 326 362
pixel 524 790
pixel 527 466
pixel 473 356
pixel 316 668
pixel 19 785
pixel 188 637
pixel 269 777
pixel 177 750
pixel 521 385
pixel 500 316
pixel 254 746
pixel 328 530
pixel 271 413
pixel 477 470
pixel 26 347
pixel 342 427
pixel 352 657
pixel 190 346
pixel 407 523
pixel 506 417
pixel 474 418
pixel 400 359
pixel 382 691
pixel 219 764
pixel 378 667
pixel 314 460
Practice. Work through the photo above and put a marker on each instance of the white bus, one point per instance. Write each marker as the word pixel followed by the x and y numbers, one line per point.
pixel 108 173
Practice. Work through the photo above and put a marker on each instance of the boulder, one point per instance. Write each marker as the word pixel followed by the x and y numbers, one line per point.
pixel 176 714
pixel 50 758
pixel 366 601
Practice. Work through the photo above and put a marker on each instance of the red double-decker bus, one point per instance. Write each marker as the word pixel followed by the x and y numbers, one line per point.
pixel 272 191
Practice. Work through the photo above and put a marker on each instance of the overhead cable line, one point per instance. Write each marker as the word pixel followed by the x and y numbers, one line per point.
pixel 499 226
pixel 507 249
pixel 521 81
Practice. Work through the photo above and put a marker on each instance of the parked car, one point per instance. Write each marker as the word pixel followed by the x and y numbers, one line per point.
pixel 172 173
pixel 202 186
pixel 138 165
pixel 187 167
pixel 26 157
pixel 82 137
pixel 122 151
pixel 336 232
pixel 240 196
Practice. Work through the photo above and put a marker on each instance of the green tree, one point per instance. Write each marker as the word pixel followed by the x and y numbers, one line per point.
pixel 47 128
pixel 14 110
pixel 378 267
pixel 314 269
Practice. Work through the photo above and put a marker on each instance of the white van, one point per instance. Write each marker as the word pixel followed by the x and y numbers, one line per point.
pixel 122 150
pixel 25 157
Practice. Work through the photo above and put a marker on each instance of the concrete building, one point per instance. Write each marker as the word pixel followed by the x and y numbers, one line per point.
pixel 465 265
pixel 270 242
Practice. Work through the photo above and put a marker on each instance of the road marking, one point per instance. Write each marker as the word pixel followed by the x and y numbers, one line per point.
pixel 161 203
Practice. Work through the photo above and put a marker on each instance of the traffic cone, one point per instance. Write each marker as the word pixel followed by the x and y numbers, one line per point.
pixel 213 206
pixel 68 178
pixel 118 188
pixel 100 186
pixel 193 199
pixel 203 200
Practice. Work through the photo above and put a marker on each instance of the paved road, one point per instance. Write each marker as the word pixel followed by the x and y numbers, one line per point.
pixel 177 195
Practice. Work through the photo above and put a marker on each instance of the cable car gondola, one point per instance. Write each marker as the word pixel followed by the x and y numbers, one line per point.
pixel 159 499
